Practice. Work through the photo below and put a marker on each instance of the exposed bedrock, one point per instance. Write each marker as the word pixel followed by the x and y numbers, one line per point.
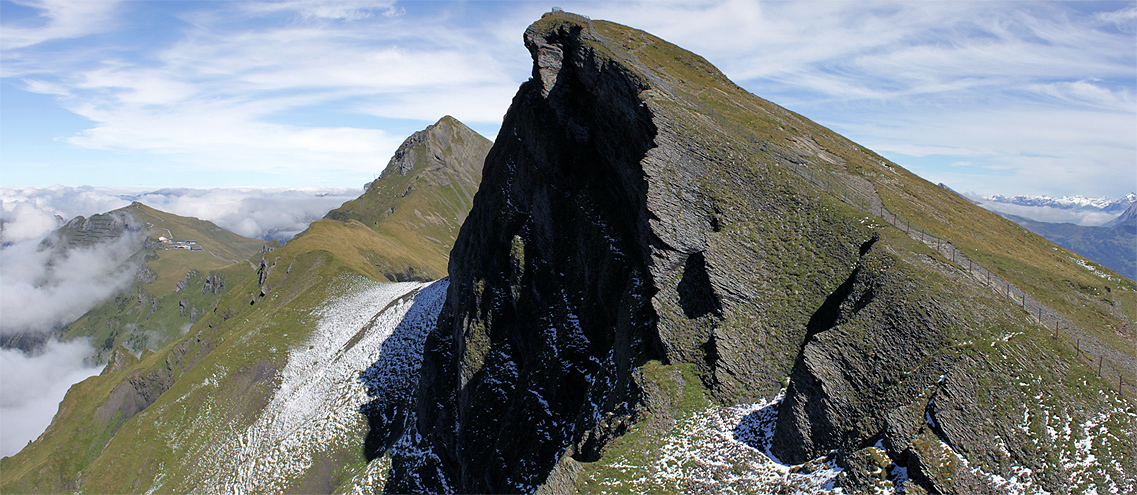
pixel 549 306
pixel 610 228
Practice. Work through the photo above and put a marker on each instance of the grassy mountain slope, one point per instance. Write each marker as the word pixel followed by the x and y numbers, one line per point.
pixel 1113 247
pixel 761 140
pixel 250 342
pixel 421 199
pixel 173 286
pixel 163 419
pixel 1025 259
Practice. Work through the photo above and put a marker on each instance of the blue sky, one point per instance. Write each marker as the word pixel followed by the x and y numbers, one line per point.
pixel 988 97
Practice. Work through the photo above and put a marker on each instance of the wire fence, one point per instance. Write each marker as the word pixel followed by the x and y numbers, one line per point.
pixel 1104 360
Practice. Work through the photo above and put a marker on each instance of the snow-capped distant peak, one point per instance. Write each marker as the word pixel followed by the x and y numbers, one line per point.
pixel 1104 203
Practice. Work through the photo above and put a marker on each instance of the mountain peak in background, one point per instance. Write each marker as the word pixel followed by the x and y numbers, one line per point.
pixel 250 337
pixel 1126 220
pixel 421 199
pixel 183 265
pixel 1067 202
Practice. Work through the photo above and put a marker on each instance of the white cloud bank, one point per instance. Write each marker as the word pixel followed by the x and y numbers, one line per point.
pixel 32 386
pixel 1081 216
pixel 43 289
pixel 29 213
pixel 259 213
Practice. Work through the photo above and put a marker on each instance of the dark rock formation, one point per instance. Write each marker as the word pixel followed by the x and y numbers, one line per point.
pixel 870 352
pixel 623 219
pixel 600 239
pixel 549 306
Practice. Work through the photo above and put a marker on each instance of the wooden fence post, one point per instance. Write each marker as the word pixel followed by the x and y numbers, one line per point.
pixel 1078 348
pixel 1100 359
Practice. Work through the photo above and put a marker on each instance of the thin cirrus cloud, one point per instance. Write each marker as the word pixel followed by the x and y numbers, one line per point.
pixel 58 19
pixel 1039 98
pixel 223 95
pixel 284 88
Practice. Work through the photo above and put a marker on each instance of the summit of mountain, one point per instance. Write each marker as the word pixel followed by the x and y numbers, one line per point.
pixel 654 242
pixel 421 199
pixel 279 338
pixel 1127 220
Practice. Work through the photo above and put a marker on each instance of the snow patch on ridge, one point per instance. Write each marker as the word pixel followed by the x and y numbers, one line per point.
pixel 722 450
pixel 317 404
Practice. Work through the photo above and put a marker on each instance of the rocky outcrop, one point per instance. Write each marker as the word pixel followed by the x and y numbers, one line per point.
pixel 85 232
pixel 531 351
pixel 623 219
pixel 598 241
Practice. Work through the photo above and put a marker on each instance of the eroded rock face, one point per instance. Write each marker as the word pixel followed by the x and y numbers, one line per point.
pixel 549 307
pixel 868 365
pixel 601 238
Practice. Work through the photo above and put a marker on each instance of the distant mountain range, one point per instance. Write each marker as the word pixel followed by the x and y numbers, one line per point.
pixel 1104 204
pixel 1112 243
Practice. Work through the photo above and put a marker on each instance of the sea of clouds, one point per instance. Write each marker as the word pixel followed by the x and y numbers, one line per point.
pixel 43 289
pixel 264 213
pixel 1087 216
pixel 33 386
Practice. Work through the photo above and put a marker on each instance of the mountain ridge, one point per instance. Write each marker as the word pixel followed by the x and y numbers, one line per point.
pixel 650 211
pixel 664 284
pixel 284 340
pixel 1113 245
pixel 1067 202
pixel 441 163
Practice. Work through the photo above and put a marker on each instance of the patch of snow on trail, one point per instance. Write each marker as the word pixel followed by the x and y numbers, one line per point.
pixel 319 396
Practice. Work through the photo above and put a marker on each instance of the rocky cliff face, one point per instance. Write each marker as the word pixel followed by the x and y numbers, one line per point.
pixel 550 306
pixel 84 232
pixel 599 240
pixel 639 208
